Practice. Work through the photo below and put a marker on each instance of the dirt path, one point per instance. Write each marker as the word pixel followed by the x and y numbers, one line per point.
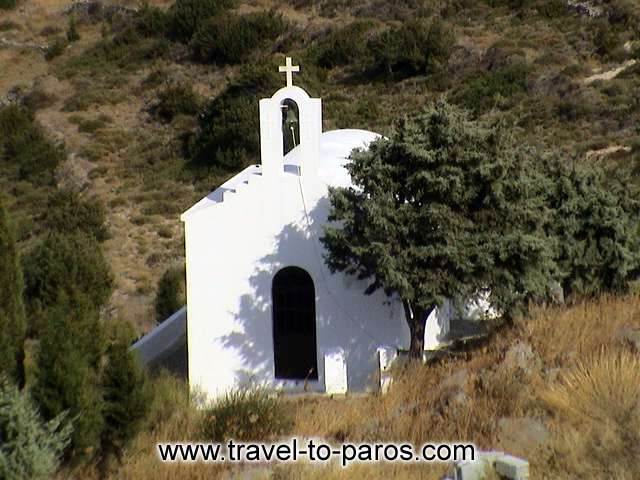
pixel 610 74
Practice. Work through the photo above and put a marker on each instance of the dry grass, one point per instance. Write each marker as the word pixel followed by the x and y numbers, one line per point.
pixel 583 384
pixel 597 405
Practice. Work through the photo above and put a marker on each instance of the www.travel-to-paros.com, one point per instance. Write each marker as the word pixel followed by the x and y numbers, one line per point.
pixel 314 451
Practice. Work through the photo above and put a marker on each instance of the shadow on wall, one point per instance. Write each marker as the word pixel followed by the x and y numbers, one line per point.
pixel 340 323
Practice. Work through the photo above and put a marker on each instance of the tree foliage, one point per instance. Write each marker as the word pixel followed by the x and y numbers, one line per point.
pixel 186 16
pixel 67 212
pixel 126 393
pixel 30 448
pixel 171 295
pixel 12 317
pixel 25 148
pixel 444 208
pixel 230 38
pixel 68 371
pixel 596 223
pixel 415 47
pixel 63 264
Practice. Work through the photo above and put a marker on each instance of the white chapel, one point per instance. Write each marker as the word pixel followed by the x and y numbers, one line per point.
pixel 262 306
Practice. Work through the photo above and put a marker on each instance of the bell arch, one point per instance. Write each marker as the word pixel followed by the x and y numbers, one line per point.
pixel 272 142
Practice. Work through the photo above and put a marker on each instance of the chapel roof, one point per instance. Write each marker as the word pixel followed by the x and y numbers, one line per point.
pixel 335 148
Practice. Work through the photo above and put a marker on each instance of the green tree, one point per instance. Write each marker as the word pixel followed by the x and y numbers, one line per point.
pixel 68 371
pixel 171 295
pixel 186 16
pixel 596 223
pixel 444 208
pixel 67 212
pixel 126 392
pixel 64 263
pixel 30 448
pixel 12 318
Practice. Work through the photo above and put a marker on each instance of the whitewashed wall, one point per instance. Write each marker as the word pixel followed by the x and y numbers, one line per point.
pixel 244 233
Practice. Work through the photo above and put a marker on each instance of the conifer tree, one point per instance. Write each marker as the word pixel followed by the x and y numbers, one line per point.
pixel 12 318
pixel 68 371
pixel 444 208
pixel 596 221
pixel 126 392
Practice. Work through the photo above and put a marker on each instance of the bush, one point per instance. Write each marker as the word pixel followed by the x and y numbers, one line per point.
pixel 126 392
pixel 68 213
pixel 72 31
pixel 178 99
pixel 8 4
pixel 31 448
pixel 246 415
pixel 68 371
pixel 62 264
pixel 186 16
pixel 24 146
pixel 171 295
pixel 151 21
pixel 595 221
pixel 489 89
pixel 415 47
pixel 56 48
pixel 230 39
pixel 13 326
pixel 228 137
pixel 347 46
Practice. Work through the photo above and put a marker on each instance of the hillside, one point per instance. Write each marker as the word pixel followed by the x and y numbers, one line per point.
pixel 125 104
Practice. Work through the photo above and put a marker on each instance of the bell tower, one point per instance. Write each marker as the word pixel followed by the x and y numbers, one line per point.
pixel 277 122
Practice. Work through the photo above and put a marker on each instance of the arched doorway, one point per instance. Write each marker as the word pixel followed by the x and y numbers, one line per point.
pixel 294 325
pixel 290 125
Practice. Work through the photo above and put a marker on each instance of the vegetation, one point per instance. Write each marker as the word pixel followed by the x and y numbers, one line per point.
pixel 68 371
pixel 12 317
pixel 68 213
pixel 230 39
pixel 171 295
pixel 25 151
pixel 246 415
pixel 186 16
pixel 178 99
pixel 62 264
pixel 444 208
pixel 31 448
pixel 126 394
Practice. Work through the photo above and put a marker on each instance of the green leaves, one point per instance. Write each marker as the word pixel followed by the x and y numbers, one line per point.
pixel 444 208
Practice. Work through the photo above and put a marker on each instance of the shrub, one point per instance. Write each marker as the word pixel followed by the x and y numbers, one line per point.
pixel 347 46
pixel 126 392
pixel 67 372
pixel 67 212
pixel 8 4
pixel 25 147
pixel 12 319
pixel 186 16
pixel 489 89
pixel 72 31
pixel 31 448
pixel 415 47
pixel 246 415
pixel 7 25
pixel 62 264
pixel 595 220
pixel 151 21
pixel 171 295
pixel 229 132
pixel 178 99
pixel 229 38
pixel 56 48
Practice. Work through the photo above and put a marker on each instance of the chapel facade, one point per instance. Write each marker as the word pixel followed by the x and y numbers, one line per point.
pixel 262 306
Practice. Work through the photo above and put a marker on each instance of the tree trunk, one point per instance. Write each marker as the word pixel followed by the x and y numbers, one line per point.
pixel 416 319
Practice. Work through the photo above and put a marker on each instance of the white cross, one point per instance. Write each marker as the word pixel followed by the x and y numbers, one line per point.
pixel 289 69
